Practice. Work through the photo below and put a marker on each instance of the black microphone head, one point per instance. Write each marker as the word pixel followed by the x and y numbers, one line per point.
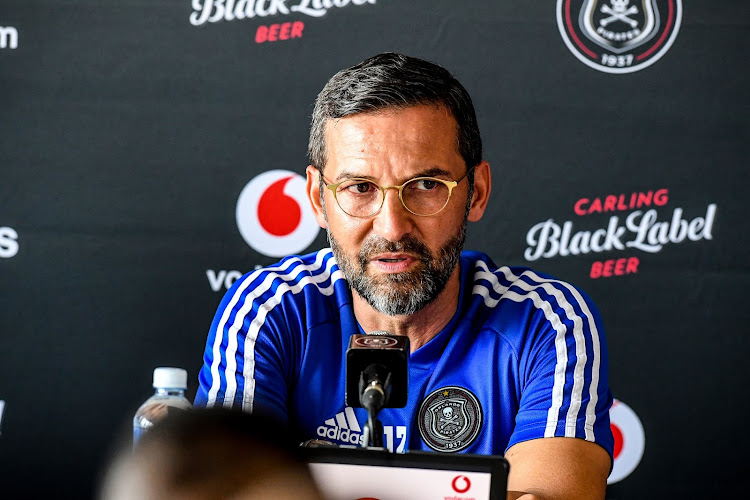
pixel 375 372
pixel 380 356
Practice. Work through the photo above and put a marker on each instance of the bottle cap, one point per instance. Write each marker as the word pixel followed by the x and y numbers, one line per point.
pixel 170 378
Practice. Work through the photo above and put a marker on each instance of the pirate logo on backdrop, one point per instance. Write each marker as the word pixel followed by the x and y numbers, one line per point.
pixel 449 419
pixel 619 26
pixel 619 36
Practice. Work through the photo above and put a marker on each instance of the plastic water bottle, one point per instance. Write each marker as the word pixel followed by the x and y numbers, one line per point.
pixel 170 385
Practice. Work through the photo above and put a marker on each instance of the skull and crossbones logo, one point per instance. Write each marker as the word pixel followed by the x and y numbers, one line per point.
pixel 448 418
pixel 619 11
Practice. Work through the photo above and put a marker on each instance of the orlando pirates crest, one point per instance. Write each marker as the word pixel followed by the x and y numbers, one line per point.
pixel 619 25
pixel 450 419
pixel 619 36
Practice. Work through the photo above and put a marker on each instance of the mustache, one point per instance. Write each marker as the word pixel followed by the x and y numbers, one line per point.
pixel 408 244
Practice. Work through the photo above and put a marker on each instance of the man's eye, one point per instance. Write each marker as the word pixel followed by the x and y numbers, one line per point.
pixel 358 187
pixel 426 184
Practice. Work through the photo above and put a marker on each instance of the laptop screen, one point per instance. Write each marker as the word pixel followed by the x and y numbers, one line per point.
pixel 350 474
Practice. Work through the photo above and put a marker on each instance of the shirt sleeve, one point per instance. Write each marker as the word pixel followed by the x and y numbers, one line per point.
pixel 563 367
pixel 244 365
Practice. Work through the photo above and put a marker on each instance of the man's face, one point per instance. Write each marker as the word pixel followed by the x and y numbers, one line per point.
pixel 397 261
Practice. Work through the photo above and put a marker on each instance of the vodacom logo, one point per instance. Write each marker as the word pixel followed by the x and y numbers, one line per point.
pixel 274 216
pixel 630 441
pixel 461 484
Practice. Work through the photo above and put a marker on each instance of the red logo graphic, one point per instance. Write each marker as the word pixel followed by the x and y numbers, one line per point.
pixel 274 216
pixel 466 484
pixel 630 441
pixel 278 213
pixel 617 433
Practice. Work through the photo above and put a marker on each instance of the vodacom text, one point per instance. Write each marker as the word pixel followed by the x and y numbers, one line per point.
pixel 222 278
pixel 8 37
pixel 8 242
pixel 213 11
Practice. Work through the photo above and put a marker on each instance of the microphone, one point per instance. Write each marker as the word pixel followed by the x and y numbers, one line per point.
pixel 377 374
pixel 377 370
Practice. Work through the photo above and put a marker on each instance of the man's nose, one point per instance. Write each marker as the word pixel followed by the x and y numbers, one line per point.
pixel 393 221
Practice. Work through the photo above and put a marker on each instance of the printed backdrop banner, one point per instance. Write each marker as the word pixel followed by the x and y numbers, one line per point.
pixel 152 152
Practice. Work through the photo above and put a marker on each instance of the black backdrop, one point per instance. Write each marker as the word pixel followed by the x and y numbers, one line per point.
pixel 127 134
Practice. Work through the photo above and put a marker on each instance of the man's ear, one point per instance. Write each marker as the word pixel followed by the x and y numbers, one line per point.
pixel 313 194
pixel 482 188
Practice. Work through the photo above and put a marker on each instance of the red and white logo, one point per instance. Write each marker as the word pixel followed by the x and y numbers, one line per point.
pixel 274 216
pixel 630 441
pixel 461 484
pixel 619 36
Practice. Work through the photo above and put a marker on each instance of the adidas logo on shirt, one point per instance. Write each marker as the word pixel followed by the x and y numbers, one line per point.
pixel 343 427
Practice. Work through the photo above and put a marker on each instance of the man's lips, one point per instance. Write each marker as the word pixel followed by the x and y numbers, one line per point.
pixel 392 256
pixel 393 262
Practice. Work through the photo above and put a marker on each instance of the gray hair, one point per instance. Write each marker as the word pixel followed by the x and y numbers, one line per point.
pixel 391 80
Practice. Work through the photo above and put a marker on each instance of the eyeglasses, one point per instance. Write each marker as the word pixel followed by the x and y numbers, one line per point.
pixel 423 196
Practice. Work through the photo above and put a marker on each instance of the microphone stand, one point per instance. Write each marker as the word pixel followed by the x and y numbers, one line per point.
pixel 373 397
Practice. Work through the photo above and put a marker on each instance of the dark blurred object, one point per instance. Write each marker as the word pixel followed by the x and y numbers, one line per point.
pixel 318 443
pixel 211 453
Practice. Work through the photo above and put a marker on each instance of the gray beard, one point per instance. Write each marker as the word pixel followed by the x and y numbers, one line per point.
pixel 396 294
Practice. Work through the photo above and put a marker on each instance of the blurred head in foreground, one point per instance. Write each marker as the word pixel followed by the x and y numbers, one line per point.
pixel 211 454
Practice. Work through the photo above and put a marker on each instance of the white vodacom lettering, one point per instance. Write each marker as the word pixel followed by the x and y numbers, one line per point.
pixel 547 239
pixel 213 11
pixel 8 37
pixel 219 279
pixel 8 242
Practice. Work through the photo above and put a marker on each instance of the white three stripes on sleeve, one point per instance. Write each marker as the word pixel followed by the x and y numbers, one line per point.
pixel 252 334
pixel 257 321
pixel 561 348
pixel 216 381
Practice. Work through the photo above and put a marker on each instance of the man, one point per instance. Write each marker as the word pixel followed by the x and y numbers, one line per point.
pixel 504 361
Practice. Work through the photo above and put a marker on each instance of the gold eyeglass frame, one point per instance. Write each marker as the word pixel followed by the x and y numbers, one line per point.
pixel 449 184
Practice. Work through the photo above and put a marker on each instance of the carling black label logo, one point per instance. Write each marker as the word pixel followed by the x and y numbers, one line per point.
pixel 619 36
pixel 643 229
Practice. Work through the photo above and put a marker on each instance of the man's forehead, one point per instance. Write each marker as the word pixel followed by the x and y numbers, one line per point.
pixel 355 138
pixel 390 111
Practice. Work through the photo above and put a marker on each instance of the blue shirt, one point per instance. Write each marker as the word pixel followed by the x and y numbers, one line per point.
pixel 523 357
